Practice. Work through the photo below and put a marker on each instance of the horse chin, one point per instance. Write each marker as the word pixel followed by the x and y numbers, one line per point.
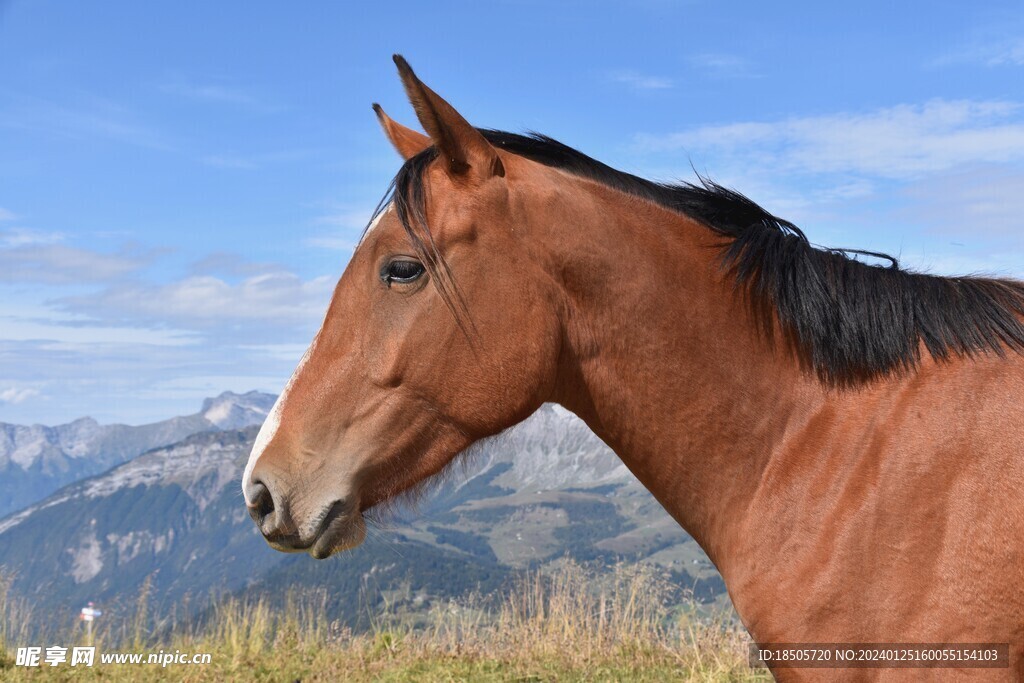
pixel 343 533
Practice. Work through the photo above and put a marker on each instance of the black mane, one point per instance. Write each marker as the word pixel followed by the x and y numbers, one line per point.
pixel 847 320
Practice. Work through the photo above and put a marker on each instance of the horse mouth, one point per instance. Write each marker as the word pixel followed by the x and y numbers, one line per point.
pixel 342 528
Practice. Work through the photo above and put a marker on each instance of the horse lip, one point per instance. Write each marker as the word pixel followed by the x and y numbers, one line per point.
pixel 289 544
pixel 321 542
pixel 334 523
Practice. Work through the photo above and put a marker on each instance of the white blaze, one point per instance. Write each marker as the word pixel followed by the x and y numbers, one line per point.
pixel 272 423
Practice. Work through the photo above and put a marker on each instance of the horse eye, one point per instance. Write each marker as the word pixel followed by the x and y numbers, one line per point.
pixel 402 271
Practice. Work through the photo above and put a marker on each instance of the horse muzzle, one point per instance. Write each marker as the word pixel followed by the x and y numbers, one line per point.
pixel 339 526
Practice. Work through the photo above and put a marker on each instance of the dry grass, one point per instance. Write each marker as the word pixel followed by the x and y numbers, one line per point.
pixel 15 620
pixel 574 624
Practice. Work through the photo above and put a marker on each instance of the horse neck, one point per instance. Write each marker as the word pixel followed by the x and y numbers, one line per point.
pixel 663 360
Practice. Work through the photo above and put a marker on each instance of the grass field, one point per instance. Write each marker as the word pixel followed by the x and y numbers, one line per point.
pixel 570 625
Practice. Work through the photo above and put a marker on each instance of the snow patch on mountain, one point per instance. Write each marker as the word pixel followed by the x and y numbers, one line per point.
pixel 236 411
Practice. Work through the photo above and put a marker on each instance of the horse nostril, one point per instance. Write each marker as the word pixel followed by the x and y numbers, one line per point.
pixel 270 512
pixel 262 502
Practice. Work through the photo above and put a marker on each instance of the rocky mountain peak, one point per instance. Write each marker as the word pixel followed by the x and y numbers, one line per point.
pixel 38 460
pixel 236 411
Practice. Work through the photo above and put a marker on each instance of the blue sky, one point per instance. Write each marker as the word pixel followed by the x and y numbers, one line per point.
pixel 181 184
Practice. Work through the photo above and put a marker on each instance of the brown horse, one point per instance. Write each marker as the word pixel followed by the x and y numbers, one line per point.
pixel 843 438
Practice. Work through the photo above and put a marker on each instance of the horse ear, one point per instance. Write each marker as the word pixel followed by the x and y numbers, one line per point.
pixel 407 141
pixel 461 146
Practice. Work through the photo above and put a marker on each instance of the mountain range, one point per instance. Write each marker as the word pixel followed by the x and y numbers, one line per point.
pixel 36 460
pixel 172 519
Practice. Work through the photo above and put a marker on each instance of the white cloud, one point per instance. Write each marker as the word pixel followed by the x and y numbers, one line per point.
pixel 229 263
pixel 988 200
pixel 130 382
pixel 20 237
pixel 15 395
pixel 28 258
pixel 76 333
pixel 640 81
pixel 720 64
pixel 6 215
pixel 900 142
pixel 209 303
pixel 995 45
pixel 1007 53
pixel 937 184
